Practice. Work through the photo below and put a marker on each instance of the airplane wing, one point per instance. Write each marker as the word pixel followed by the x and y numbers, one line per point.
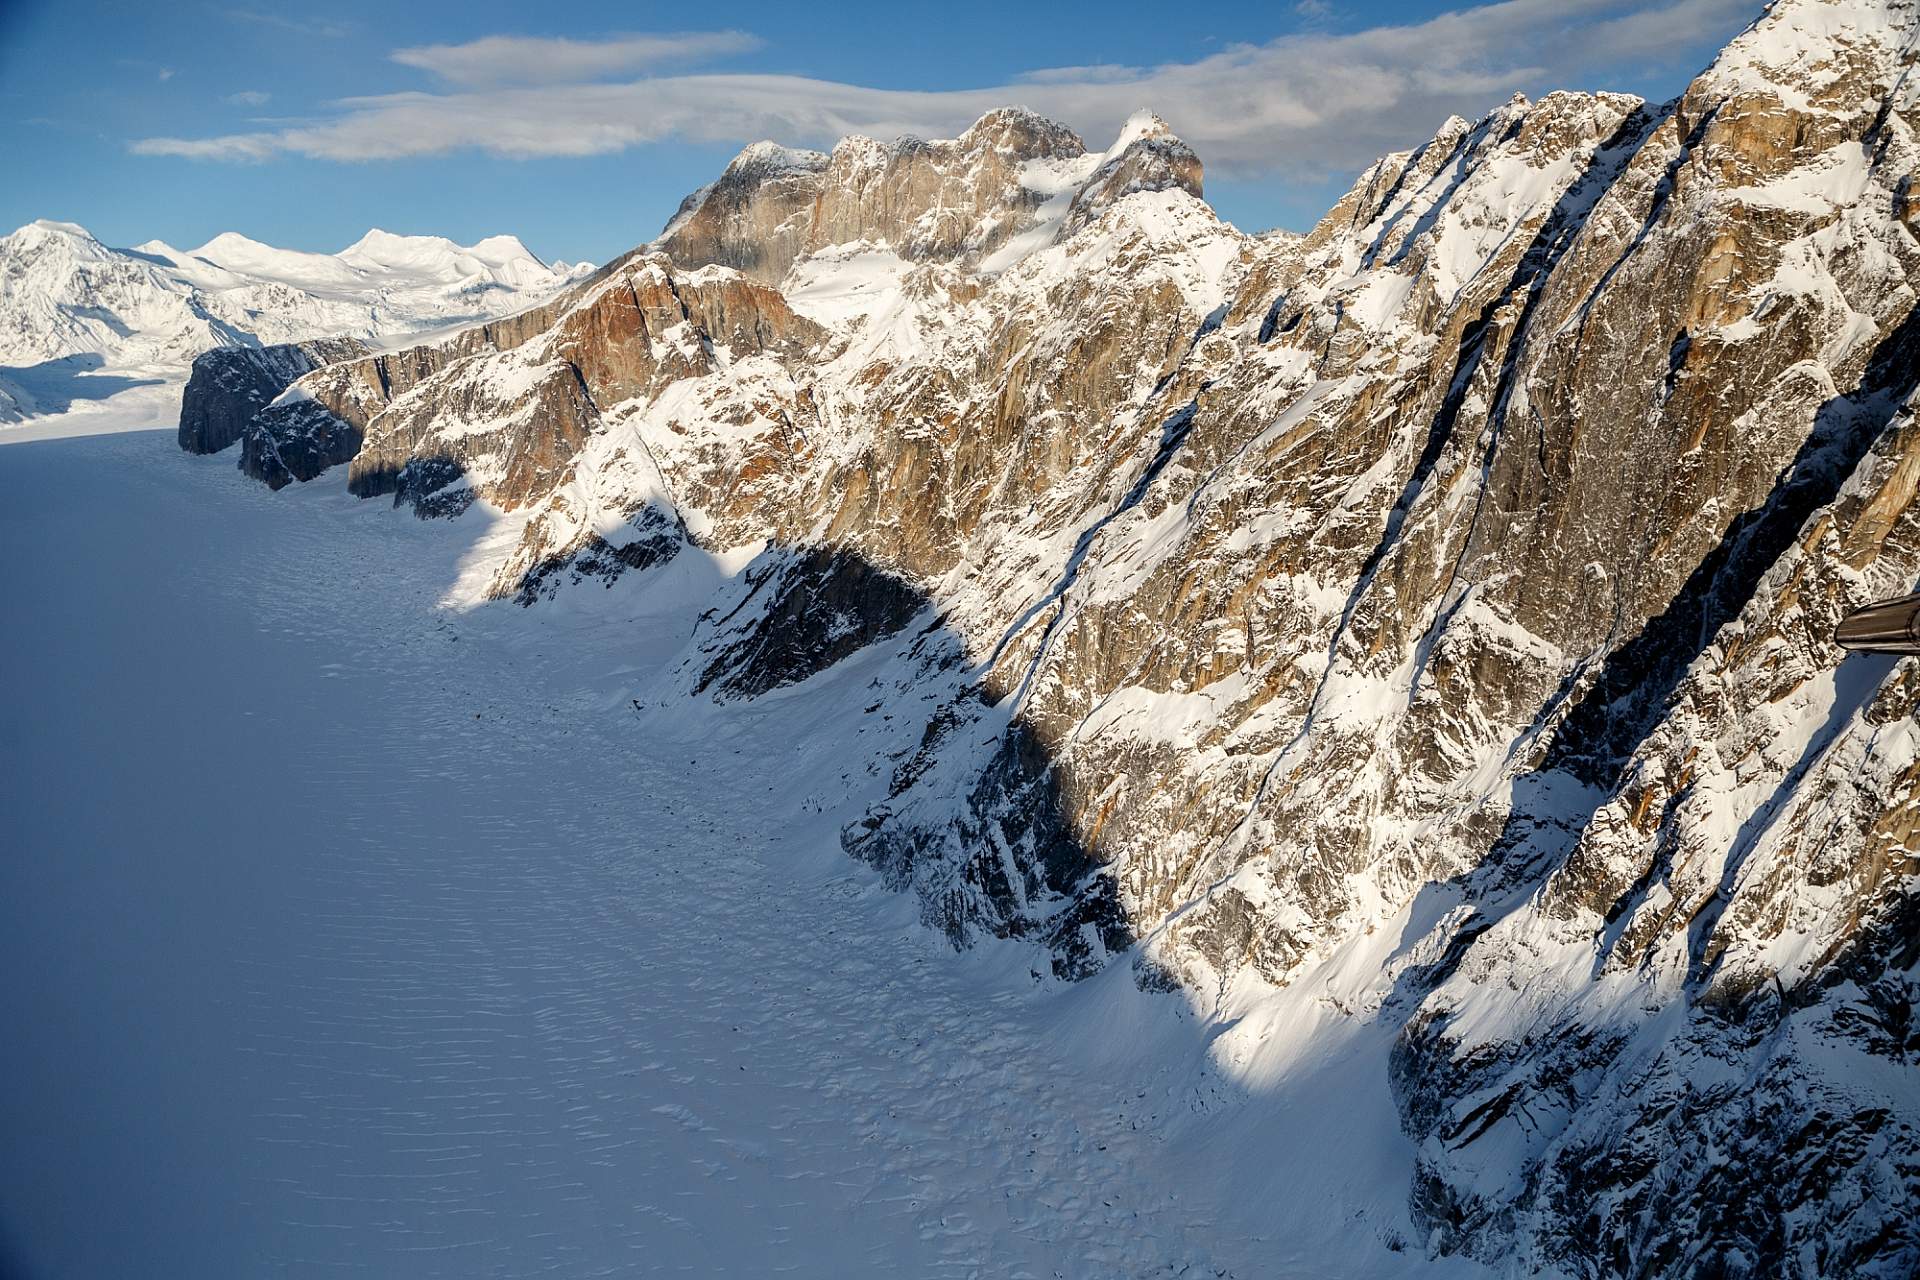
pixel 1886 626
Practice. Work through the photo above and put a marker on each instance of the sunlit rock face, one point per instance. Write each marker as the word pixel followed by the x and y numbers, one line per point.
pixel 930 201
pixel 502 410
pixel 1461 573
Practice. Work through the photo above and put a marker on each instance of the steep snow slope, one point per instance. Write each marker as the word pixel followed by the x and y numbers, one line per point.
pixel 63 293
pixel 1422 626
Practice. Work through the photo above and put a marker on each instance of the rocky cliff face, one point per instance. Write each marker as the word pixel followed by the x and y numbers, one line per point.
pixel 1012 174
pixel 1462 573
pixel 501 411
pixel 229 385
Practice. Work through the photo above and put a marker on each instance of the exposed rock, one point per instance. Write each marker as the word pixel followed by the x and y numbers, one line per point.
pixel 529 395
pixel 825 605
pixel 1147 157
pixel 229 385
pixel 295 438
pixel 959 200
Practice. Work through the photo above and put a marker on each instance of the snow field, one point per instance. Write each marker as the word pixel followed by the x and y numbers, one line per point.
pixel 364 935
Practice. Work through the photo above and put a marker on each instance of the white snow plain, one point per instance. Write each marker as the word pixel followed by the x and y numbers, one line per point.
pixel 351 932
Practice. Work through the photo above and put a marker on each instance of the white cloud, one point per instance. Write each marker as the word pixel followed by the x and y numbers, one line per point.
pixel 247 98
pixel 1303 105
pixel 500 60
pixel 166 73
pixel 328 30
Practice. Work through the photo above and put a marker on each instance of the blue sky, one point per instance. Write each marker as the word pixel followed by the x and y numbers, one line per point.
pixel 580 127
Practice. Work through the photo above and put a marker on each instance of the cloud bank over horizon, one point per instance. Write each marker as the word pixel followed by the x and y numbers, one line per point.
pixel 1304 104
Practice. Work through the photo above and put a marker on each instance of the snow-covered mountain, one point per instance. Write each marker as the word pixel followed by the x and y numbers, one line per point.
pixel 64 295
pixel 1424 623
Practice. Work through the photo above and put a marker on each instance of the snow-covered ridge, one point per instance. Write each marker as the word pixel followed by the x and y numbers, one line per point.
pixel 770 156
pixel 66 295
pixel 1010 184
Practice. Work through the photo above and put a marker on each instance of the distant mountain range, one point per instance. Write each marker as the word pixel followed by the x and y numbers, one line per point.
pixel 68 300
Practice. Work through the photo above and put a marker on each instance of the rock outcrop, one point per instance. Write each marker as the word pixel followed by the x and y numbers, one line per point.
pixel 1452 586
pixel 229 385
pixel 1146 157
pixel 529 391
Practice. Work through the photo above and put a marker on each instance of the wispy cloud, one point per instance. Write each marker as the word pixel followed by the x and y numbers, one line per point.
pixel 160 73
pixel 500 60
pixel 297 26
pixel 1305 104
pixel 247 98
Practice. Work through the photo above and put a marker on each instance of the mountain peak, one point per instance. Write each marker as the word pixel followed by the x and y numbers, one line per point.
pixel 1816 53
pixel 1025 133
pixel 501 249
pixel 376 238
pixel 1003 186
pixel 1142 124
pixel 767 157
pixel 49 240
pixel 72 229
pixel 231 242
pixel 1147 156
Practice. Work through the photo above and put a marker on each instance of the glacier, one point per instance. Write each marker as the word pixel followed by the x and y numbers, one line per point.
pixel 363 927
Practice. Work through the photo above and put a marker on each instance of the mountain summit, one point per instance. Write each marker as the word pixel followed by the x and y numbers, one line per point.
pixel 1009 180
